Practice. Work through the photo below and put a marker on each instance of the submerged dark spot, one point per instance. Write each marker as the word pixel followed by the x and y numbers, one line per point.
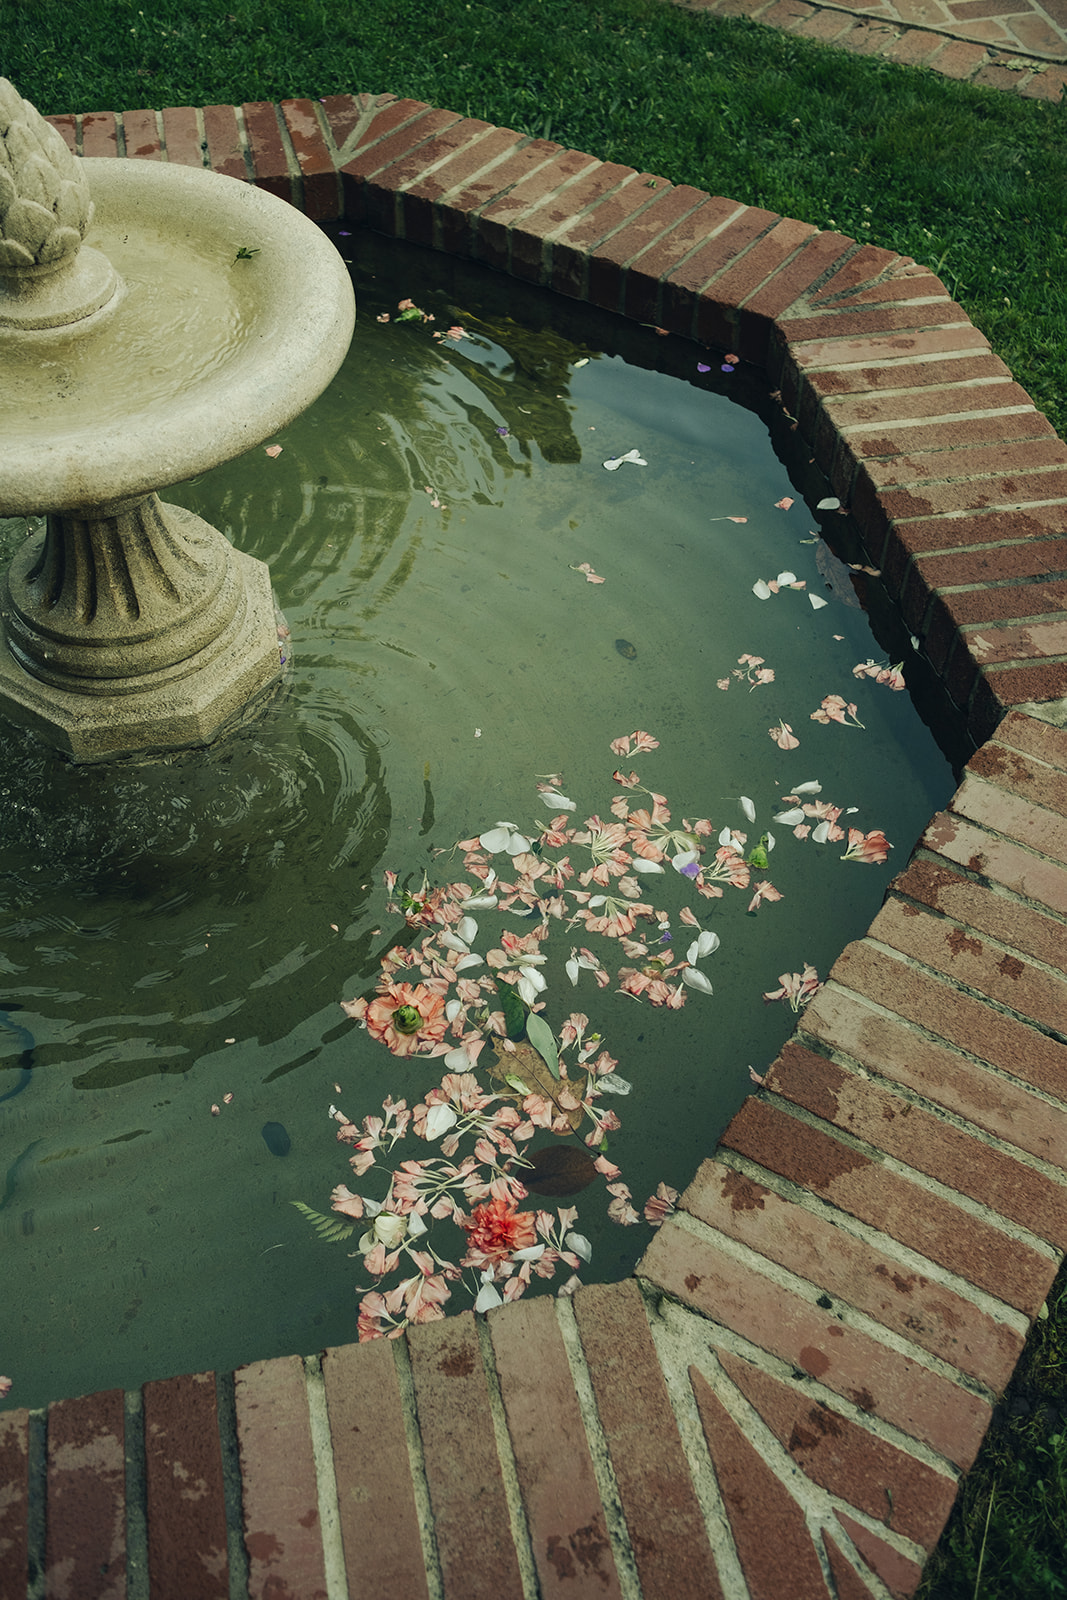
pixel 276 1139
pixel 625 648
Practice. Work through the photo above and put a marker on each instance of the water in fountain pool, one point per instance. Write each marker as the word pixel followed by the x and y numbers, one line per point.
pixel 179 932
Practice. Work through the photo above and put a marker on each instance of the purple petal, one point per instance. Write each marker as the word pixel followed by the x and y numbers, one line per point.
pixel 701 367
pixel 727 366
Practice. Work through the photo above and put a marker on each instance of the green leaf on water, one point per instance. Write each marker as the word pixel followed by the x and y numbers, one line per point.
pixel 514 1009
pixel 332 1229
pixel 543 1040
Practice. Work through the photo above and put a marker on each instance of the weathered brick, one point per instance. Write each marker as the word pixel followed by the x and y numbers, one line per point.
pixel 884 1045
pixel 375 1498
pixel 568 1533
pixel 66 126
pixel 531 233
pixel 141 134
pixel 498 219
pixel 185 1502
pixel 961 1020
pixel 914 47
pixel 958 59
pixel 808 1243
pixel 970 1246
pixel 181 134
pixel 322 189
pixel 964 957
pixel 897 1571
pixel 1020 927
pixel 280 1496
pixel 471 1524
pixel 663 1516
pixel 225 149
pixel 85 1537
pixel 431 196
pixel 270 165
pixel 458 219
pixel 848 320
pixel 1000 687
pixel 848 1585
pixel 344 113
pixel 1035 738
pixel 883 1382
pixel 14 1502
pixel 756 1499
pixel 638 237
pixel 951 1155
pixel 1035 780
pixel 100 136
pixel 573 243
pixel 690 277
pixel 940 448
pixel 884 1482
pixel 645 274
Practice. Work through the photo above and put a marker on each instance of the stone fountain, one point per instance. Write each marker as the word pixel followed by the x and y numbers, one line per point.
pixel 155 321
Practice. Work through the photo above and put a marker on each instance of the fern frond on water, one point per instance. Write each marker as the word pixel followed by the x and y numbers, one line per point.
pixel 332 1229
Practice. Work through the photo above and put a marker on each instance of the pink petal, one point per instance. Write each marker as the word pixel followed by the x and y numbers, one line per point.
pixel 273 450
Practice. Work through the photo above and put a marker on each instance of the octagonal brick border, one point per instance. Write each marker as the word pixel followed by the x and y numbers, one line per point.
pixel 783 1398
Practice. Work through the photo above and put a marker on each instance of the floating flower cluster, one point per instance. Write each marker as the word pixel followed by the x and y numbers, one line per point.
pixel 511 1082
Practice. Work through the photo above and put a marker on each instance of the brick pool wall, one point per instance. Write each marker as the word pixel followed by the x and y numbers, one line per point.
pixel 782 1400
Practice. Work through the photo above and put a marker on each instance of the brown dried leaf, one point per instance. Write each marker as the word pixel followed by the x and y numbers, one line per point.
pixel 557 1169
pixel 527 1064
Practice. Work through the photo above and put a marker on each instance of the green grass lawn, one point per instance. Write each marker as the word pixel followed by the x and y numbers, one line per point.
pixel 971 182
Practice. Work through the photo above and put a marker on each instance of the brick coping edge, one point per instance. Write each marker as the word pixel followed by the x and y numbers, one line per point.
pixel 785 1396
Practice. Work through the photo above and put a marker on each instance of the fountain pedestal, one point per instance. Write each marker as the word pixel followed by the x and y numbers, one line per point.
pixel 135 626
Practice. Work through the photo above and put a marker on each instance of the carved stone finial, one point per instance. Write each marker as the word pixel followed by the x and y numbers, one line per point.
pixel 45 207
pixel 45 212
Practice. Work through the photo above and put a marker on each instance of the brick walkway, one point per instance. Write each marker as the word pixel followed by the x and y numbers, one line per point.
pixel 1018 46
pixel 781 1402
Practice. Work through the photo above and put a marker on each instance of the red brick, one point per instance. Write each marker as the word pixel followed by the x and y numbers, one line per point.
pixel 995 76
pixel 884 1045
pixel 848 1585
pixel 141 134
pixel 847 1360
pixel 497 219
pixel 375 1498
pixel 225 149
pixel 914 47
pixel 848 320
pixel 663 1516
pixel 824 25
pixel 879 1479
pixel 850 411
pixel 747 278
pixel 789 284
pixel 1045 85
pixel 786 13
pixel 951 1155
pixel 1003 918
pixel 645 274
pixel 270 166
pixel 181 134
pixel 279 1487
pixel 470 1513
pixel 14 1502
pixel 185 1502
pixel 868 38
pixel 1036 558
pixel 573 243
pixel 895 352
pixel 967 1023
pixel 1026 642
pixel 1001 687
pixel 85 1537
pixel 564 1515
pixel 899 1574
pixel 100 135
pixel 381 118
pixel 872 275
pixel 691 276
pixel 1036 780
pixel 756 1499
pixel 997 457
pixel 431 193
pixel 971 1247
pixel 958 59
pixel 1035 738
pixel 526 159
pixel 345 112
pixel 66 126
pixel 530 234
pixel 960 955
pixel 855 1273
pixel 924 443
pixel 322 190
pixel 638 236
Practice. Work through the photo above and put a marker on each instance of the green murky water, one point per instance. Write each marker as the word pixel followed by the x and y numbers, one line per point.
pixel 174 933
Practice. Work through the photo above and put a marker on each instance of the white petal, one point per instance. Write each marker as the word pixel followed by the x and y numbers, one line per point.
pixel 453 1009
pixel 611 1083
pixel 596 901
pixel 467 962
pixel 725 837
pixel 458 1061
pixel 790 818
pixel 534 978
pixel 760 590
pixel 747 807
pixel 371 1208
pixel 770 842
pixel 642 864
pixel 705 944
pixel 831 503
pixel 816 601
pixel 451 942
pixel 495 839
pixel 518 844
pixel 416 1226
pixel 467 930
pixel 821 832
pixel 579 1244
pixel 556 802
pixel 480 902
pixel 533 1252
pixel 813 786
pixel 573 970
pixel 685 858
pixel 488 1297
pixel 786 577
pixel 696 980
